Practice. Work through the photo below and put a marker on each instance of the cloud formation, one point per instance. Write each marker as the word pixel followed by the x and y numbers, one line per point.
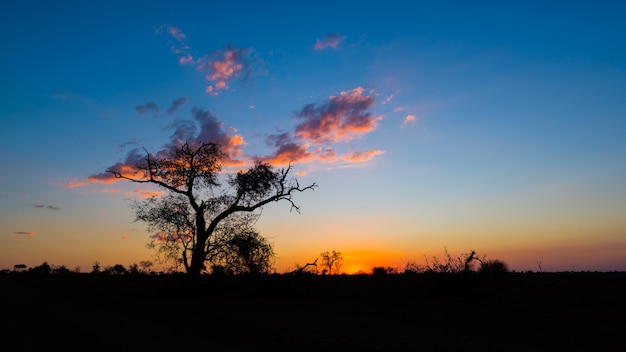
pixel 25 233
pixel 409 120
pixel 220 67
pixel 340 119
pixel 144 193
pixel 205 129
pixel 63 96
pixel 149 107
pixel 223 66
pixel 332 40
pixel 177 103
pixel 50 207
pixel 73 182
pixel 359 157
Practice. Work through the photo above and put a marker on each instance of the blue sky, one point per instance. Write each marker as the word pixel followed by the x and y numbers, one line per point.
pixel 489 126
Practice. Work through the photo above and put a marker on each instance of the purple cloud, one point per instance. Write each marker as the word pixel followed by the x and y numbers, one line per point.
pixel 177 103
pixel 332 40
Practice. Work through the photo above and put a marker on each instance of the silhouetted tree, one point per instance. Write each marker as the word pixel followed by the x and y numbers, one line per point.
pixel 134 269
pixel 331 260
pixel 244 252
pixel 95 269
pixel 118 269
pixel 493 266
pixel 145 265
pixel 44 269
pixel 18 267
pixel 61 270
pixel 196 204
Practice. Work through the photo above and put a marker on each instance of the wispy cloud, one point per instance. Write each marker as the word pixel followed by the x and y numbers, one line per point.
pixel 409 120
pixel 177 103
pixel 72 183
pixel 50 207
pixel 149 107
pixel 125 145
pixel 25 233
pixel 206 128
pixel 332 40
pixel 110 190
pixel 144 193
pixel 359 157
pixel 63 96
pixel 220 67
pixel 178 45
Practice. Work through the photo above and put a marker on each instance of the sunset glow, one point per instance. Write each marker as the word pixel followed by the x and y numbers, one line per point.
pixel 494 127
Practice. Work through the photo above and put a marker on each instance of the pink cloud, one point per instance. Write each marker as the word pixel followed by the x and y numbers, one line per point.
pixel 224 66
pixel 124 237
pixel 186 60
pixel 332 40
pixel 179 46
pixel 25 233
pixel 124 168
pixel 359 157
pixel 409 120
pixel 146 193
pixel 287 151
pixel 73 182
pixel 220 67
pixel 342 118
pixel 110 190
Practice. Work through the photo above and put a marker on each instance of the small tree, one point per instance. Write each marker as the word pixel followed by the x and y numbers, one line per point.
pixel 44 269
pixel 331 260
pixel 249 252
pixel 95 269
pixel 145 265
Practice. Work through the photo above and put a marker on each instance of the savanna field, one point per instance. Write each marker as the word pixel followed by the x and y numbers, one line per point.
pixel 568 311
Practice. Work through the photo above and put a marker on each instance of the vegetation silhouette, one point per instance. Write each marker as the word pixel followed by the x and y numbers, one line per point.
pixel 120 308
pixel 199 220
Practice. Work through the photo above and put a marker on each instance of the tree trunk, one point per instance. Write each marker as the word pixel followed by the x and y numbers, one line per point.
pixel 197 262
pixel 198 255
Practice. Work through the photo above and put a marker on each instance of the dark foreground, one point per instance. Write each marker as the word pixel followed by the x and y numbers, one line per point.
pixel 516 312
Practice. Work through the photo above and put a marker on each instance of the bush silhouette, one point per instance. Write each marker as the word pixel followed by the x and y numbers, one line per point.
pixel 493 266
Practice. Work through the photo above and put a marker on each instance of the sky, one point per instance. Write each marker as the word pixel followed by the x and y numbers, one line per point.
pixel 428 126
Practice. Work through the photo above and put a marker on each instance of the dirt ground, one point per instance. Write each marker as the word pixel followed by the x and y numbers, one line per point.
pixel 515 312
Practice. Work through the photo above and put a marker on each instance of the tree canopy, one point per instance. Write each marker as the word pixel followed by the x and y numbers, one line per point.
pixel 201 218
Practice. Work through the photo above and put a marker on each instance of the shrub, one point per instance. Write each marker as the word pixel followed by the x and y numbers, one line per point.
pixel 493 266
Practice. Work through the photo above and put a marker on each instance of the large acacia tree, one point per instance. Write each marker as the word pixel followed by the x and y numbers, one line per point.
pixel 198 209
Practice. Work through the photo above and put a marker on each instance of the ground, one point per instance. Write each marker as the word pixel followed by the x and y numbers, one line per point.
pixel 512 312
